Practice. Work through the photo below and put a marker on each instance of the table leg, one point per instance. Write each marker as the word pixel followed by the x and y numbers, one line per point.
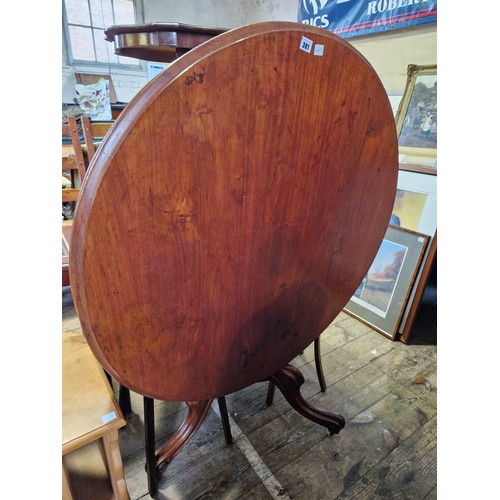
pixel 66 487
pixel 124 400
pixel 157 462
pixel 149 438
pixel 288 380
pixel 270 393
pixel 319 366
pixel 225 420
pixel 196 413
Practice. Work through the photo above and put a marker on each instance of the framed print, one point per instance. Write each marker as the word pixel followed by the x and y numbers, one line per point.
pixel 416 120
pixel 381 296
pixel 415 206
pixel 417 292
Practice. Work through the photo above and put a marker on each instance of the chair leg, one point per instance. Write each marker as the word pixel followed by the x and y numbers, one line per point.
pixel 319 366
pixel 225 420
pixel 149 438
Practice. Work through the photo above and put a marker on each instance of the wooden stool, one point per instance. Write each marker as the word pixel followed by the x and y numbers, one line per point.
pixel 91 460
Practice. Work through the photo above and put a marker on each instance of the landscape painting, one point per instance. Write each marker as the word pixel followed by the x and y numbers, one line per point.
pixel 381 296
pixel 377 288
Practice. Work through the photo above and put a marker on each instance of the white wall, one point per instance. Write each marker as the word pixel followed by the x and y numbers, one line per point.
pixel 220 13
pixel 216 13
pixel 389 53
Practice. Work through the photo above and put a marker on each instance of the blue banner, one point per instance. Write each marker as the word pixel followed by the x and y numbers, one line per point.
pixel 350 18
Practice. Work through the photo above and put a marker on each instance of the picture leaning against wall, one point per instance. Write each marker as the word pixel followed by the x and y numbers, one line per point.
pixel 381 296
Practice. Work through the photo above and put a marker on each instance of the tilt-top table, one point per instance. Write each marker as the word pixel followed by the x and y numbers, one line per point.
pixel 230 215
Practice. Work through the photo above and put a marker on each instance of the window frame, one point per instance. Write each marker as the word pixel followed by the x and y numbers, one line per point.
pixel 80 65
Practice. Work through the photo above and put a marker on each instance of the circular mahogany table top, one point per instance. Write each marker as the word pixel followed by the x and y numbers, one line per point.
pixel 233 210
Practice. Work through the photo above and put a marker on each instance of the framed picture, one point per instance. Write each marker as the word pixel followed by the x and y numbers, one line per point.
pixel 416 120
pixel 417 292
pixel 415 206
pixel 382 295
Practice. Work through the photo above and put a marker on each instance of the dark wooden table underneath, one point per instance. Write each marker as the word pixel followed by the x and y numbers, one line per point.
pixel 161 42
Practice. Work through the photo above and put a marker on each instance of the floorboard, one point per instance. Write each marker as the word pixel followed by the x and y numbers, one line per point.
pixel 386 391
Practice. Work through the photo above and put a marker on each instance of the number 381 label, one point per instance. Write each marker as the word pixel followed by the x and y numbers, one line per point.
pixel 306 44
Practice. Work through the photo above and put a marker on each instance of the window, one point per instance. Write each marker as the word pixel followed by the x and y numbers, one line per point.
pixel 85 22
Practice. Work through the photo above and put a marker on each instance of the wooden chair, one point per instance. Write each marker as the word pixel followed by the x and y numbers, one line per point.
pixel 73 164
pixel 76 157
pixel 73 160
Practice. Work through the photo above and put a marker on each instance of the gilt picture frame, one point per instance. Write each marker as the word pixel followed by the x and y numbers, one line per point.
pixel 382 295
pixel 416 120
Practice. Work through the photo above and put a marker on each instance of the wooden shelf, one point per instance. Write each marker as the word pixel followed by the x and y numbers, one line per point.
pixel 87 473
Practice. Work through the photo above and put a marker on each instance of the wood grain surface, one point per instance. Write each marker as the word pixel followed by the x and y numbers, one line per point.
pixel 232 211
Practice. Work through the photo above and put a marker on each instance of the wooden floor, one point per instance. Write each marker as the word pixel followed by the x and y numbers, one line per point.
pixel 385 390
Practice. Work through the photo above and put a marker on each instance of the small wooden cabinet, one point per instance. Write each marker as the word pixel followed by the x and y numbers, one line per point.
pixel 91 460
